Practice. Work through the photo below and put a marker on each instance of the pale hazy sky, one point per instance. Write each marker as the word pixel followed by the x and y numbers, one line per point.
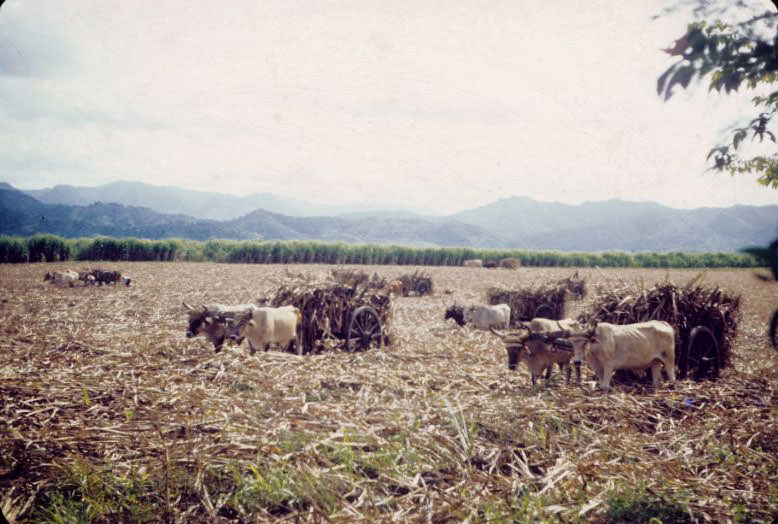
pixel 437 105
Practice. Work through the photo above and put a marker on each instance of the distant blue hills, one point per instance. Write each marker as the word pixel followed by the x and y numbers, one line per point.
pixel 147 211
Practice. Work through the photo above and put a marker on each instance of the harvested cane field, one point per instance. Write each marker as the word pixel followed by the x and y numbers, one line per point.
pixel 108 413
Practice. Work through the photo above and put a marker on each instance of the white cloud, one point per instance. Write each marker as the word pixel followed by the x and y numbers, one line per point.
pixel 438 105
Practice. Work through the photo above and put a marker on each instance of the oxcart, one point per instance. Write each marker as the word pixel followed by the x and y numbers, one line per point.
pixel 705 320
pixel 418 283
pixel 546 301
pixel 335 315
pixel 529 303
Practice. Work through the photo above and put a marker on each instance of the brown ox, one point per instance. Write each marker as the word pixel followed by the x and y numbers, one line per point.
pixel 532 349
pixel 211 321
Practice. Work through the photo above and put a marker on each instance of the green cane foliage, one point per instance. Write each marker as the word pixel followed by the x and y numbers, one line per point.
pixel 13 250
pixel 52 248
pixel 47 248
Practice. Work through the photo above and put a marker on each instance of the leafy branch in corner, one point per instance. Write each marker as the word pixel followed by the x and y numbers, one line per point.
pixel 733 56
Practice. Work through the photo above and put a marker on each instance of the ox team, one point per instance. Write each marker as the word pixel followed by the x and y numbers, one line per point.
pixel 606 347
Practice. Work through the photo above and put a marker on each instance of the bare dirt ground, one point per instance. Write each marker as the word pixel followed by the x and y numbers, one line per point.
pixel 108 413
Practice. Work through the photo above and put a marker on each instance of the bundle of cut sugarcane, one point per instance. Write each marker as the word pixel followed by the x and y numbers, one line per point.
pixel 327 309
pixel 575 284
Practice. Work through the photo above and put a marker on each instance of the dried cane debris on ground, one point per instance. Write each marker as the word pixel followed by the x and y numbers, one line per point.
pixel 108 413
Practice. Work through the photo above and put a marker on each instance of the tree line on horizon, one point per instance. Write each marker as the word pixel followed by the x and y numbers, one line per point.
pixel 52 248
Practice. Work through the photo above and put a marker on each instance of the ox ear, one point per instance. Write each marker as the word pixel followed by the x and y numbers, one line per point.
pixel 251 322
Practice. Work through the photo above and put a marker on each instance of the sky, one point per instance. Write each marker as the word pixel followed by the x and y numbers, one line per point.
pixel 434 106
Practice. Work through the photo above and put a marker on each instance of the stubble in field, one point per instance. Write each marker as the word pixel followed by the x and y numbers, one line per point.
pixel 108 412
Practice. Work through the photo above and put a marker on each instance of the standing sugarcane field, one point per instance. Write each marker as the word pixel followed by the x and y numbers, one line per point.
pixel 137 399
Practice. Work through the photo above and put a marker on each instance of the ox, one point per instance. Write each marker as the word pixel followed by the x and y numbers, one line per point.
pixel 109 277
pixel 62 278
pixel 481 317
pixel 553 350
pixel 473 262
pixel 396 287
pixel 86 277
pixel 211 321
pixel 538 345
pixel 636 347
pixel 264 326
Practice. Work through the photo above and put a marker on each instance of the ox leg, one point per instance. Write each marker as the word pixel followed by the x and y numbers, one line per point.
pixel 656 373
pixel 298 346
pixel 605 380
pixel 513 358
pixel 670 369
pixel 252 349
pixel 267 348
pixel 534 380
pixel 568 370
pixel 549 369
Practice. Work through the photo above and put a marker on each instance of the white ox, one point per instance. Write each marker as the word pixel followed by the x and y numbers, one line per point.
pixel 264 326
pixel 473 262
pixel 62 278
pixel 636 347
pixel 485 317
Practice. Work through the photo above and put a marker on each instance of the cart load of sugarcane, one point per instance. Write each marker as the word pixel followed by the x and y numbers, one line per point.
pixel 417 283
pixel 575 284
pixel 546 301
pixel 354 277
pixel 705 320
pixel 335 315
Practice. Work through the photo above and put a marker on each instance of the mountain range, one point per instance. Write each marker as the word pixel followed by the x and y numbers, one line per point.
pixel 515 222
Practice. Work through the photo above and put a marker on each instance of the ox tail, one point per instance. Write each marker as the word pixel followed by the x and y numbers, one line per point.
pixel 298 332
pixel 299 315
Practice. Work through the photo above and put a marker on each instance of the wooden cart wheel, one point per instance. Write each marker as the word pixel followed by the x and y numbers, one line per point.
pixel 422 288
pixel 702 358
pixel 544 311
pixel 364 330
pixel 774 330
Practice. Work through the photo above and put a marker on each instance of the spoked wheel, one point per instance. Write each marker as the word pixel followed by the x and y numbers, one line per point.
pixel 544 311
pixel 364 330
pixel 422 288
pixel 774 330
pixel 703 359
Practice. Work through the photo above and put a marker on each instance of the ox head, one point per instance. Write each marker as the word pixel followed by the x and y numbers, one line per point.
pixel 236 326
pixel 204 322
pixel 49 276
pixel 515 345
pixel 457 313
pixel 581 341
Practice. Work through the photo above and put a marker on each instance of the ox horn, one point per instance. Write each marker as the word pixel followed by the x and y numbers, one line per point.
pixel 499 334
pixel 187 306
